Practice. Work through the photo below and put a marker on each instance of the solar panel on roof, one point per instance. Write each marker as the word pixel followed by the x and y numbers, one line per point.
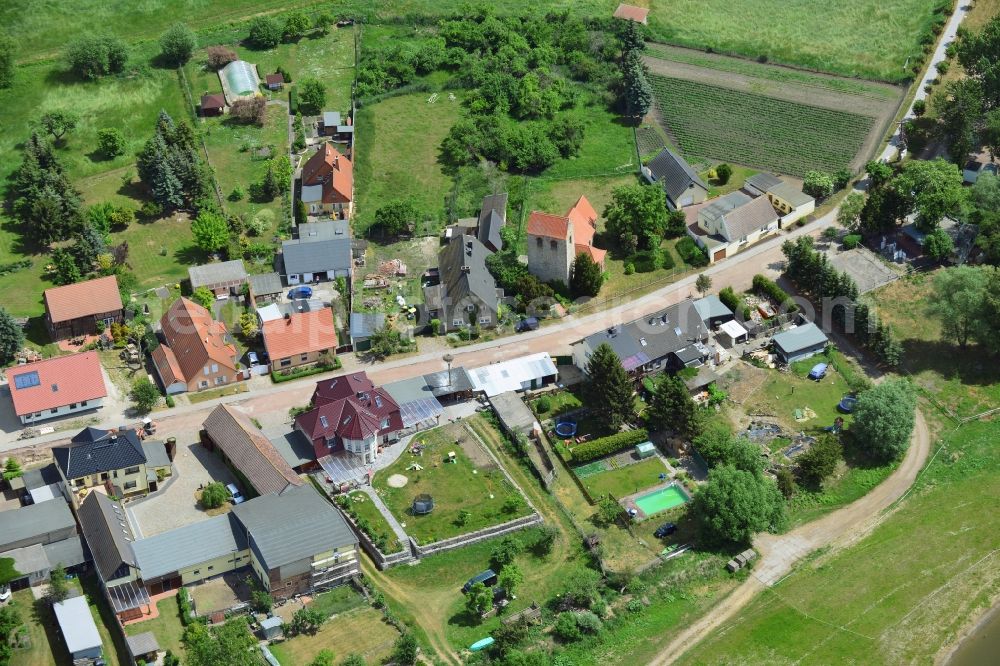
pixel 27 380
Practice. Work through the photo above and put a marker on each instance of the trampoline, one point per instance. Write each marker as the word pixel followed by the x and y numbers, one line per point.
pixel 422 505
pixel 566 429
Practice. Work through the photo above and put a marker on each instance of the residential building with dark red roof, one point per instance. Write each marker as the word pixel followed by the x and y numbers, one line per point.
pixel 328 183
pixel 350 415
pixel 554 241
pixel 57 386
pixel 79 308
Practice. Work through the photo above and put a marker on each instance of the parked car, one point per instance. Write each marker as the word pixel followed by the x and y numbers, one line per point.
pixel 846 404
pixel 4 593
pixel 235 492
pixel 252 357
pixel 299 293
pixel 664 530
pixel 818 372
pixel 528 324
pixel 487 578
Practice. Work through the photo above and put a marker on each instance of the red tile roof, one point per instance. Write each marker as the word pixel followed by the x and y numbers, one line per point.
pixel 333 171
pixel 548 225
pixel 213 101
pixel 195 339
pixel 631 13
pixel 596 253
pixel 62 381
pixel 300 333
pixel 83 299
pixel 274 78
pixel 584 219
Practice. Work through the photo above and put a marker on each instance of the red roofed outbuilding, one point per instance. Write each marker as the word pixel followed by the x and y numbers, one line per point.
pixel 77 309
pixel 57 386
pixel 632 13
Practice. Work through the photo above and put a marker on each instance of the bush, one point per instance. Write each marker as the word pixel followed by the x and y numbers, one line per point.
pixel 265 32
pixel 177 44
pixel 851 241
pixel 214 495
pixel 723 173
pixel 170 401
pixel 566 628
pixel 605 445
pixel 629 268
pixel 730 299
pixel 219 57
pixel 91 57
pixel 767 287
pixel 543 405
pixel 691 253
pixel 111 142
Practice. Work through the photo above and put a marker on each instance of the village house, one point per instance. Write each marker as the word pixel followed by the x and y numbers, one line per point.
pixel 82 308
pixel 300 339
pixel 222 278
pixel 322 252
pixel 328 183
pixel 680 183
pixel 467 294
pixel 112 459
pixel 732 222
pixel 668 340
pixel 57 386
pixel 293 541
pixel 332 125
pixel 554 241
pixel 197 352
pixel 350 414
pixel 39 537
pixel 492 218
pixel 789 200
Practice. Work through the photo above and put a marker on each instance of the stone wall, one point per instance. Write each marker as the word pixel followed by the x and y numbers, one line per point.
pixel 475 537
pixel 550 263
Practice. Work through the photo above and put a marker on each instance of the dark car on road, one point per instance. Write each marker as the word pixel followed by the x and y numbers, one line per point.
pixel 300 293
pixel 529 324
pixel 665 530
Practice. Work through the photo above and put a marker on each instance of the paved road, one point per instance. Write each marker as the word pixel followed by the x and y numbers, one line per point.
pixel 738 272
pixel 779 553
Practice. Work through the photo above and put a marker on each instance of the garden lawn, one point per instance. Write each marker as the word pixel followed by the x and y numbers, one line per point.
pixel 338 600
pixel 763 132
pixel 329 59
pixel 608 147
pixel 784 392
pixel 625 480
pixel 361 631
pixel 377 523
pixel 851 481
pixel 560 402
pixel 166 626
pixel 476 487
pixel 397 146
pixel 866 40
pixel 901 594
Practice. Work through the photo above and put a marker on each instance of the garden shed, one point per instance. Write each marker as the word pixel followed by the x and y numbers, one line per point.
pixel 645 450
pixel 270 628
pixel 800 342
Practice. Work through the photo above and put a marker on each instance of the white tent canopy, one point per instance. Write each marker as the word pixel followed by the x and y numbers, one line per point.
pixel 733 329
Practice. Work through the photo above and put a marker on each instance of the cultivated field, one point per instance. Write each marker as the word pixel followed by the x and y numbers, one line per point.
pixel 767 116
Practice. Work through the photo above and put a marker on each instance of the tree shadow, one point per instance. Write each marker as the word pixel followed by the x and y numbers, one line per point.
pixel 97 156
pixel 64 77
pixel 192 254
pixel 972 366
pixel 464 618
pixel 134 189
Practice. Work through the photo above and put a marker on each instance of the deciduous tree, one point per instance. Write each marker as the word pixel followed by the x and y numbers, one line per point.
pixel 636 217
pixel 211 233
pixel 703 283
pixel 177 44
pixel 849 214
pixel 219 56
pixel 91 57
pixel 884 417
pixel 395 217
pixel 312 97
pixel 296 25
pixel 938 245
pixel 957 301
pixel 478 600
pixel 931 188
pixel 144 395
pixel 817 184
pixel 58 123
pixel 111 142
pixel 249 110
pixel 265 32
pixel 734 504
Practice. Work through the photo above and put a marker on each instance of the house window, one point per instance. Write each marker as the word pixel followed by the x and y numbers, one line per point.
pixel 385 422
pixel 211 568
pixel 104 476
pixel 196 572
pixel 220 380
pixel 538 242
pixel 552 244
pixel 202 384
pixel 304 358
pixel 485 320
pixel 457 322
pixel 130 485
pixel 132 470
pixel 83 403
pixel 285 362
pixel 54 410
pixel 215 367
pixel 743 240
pixel 205 370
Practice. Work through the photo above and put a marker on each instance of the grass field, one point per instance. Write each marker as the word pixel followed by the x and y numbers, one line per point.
pixel 166 626
pixel 396 156
pixel 338 600
pixel 625 480
pixel 377 523
pixel 936 559
pixel 759 131
pixel 472 484
pixel 957 378
pixel 360 631
pixel 867 40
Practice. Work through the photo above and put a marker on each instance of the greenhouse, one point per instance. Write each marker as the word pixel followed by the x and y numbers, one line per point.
pixel 239 79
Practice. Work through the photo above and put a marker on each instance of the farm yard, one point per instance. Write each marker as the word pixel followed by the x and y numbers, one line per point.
pixel 766 132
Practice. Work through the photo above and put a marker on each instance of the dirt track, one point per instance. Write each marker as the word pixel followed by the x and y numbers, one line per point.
pixel 779 553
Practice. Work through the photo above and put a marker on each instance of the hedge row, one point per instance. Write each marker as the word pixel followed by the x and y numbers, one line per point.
pixel 184 606
pixel 770 288
pixel 691 253
pixel 279 376
pixel 605 445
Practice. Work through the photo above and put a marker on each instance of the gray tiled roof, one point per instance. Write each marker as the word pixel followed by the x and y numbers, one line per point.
pixel 265 283
pixel 762 181
pixel 492 217
pixel 749 217
pixel 673 174
pixel 68 552
pixel 34 520
pixel 222 271
pixel 293 525
pixel 710 307
pixel 108 535
pixel 364 324
pixel 722 205
pixel 302 256
pixel 156 454
pixel 309 232
pixel 186 546
pixel 478 281
pixel 93 451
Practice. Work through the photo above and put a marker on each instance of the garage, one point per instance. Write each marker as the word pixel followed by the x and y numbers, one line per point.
pixel 719 255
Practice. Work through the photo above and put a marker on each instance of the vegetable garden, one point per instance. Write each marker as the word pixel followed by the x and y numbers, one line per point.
pixel 788 137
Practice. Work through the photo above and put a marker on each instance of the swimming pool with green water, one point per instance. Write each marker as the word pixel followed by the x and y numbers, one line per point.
pixel 661 500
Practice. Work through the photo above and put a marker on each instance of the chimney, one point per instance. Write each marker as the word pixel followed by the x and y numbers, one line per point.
pixel 288 319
